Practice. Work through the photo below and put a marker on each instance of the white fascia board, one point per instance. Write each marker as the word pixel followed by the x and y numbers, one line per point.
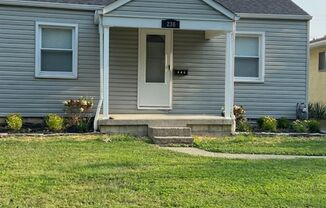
pixel 275 16
pixel 318 44
pixel 51 5
pixel 114 6
pixel 157 23
pixel 222 9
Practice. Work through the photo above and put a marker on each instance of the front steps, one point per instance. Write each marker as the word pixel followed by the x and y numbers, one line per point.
pixel 167 136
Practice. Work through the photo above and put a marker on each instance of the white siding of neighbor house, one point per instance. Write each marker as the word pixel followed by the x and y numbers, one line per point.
pixel 20 91
pixel 185 9
pixel 285 69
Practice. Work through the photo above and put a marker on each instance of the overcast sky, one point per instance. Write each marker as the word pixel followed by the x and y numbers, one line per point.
pixel 317 9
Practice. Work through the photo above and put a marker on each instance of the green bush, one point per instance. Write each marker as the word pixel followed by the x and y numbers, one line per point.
pixel 317 111
pixel 54 122
pixel 244 126
pixel 283 123
pixel 82 125
pixel 268 124
pixel 313 126
pixel 14 122
pixel 299 126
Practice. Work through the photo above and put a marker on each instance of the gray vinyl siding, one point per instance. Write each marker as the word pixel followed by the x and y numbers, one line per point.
pixel 20 91
pixel 201 92
pixel 185 9
pixel 285 69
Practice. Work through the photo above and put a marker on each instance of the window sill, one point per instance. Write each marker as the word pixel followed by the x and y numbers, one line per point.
pixel 249 80
pixel 322 70
pixel 56 75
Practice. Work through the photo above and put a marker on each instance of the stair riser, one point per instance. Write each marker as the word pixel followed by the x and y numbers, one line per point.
pixel 170 132
pixel 178 141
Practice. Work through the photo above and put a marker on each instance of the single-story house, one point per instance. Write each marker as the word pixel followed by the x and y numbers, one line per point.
pixel 162 60
pixel 317 71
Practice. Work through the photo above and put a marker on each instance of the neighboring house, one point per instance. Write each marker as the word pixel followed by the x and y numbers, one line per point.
pixel 317 71
pixel 189 57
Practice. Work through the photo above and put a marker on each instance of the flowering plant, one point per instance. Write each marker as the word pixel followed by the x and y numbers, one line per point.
pixel 80 112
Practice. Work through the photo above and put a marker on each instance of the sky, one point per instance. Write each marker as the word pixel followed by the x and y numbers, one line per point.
pixel 317 9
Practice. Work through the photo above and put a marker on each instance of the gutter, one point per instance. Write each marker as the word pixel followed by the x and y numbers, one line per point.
pixel 274 16
pixel 52 5
pixel 318 44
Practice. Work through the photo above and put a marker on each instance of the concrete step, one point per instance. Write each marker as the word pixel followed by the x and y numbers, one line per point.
pixel 173 140
pixel 169 131
pixel 169 136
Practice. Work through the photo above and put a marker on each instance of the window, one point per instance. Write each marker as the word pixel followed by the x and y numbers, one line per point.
pixel 56 50
pixel 322 61
pixel 249 57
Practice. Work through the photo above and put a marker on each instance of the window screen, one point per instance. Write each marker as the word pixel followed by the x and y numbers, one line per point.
pixel 247 57
pixel 57 50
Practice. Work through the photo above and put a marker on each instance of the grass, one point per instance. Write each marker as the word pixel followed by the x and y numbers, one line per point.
pixel 264 145
pixel 97 171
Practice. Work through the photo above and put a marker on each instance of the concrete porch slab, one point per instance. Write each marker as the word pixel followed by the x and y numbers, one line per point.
pixel 138 124
pixel 162 120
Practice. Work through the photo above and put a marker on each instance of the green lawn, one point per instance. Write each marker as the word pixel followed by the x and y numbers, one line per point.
pixel 124 172
pixel 264 145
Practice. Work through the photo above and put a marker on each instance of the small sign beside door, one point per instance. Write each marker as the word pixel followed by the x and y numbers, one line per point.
pixel 170 23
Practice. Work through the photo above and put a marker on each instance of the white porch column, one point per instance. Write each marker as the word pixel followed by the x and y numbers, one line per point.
pixel 106 71
pixel 229 74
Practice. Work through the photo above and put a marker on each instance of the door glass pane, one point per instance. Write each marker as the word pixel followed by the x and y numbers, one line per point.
pixel 59 61
pixel 57 38
pixel 155 59
pixel 247 46
pixel 246 67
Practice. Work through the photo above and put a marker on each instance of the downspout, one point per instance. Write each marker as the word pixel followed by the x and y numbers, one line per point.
pixel 100 102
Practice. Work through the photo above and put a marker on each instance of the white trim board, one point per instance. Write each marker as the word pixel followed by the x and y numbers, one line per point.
pixel 38 47
pixel 274 16
pixel 261 57
pixel 156 23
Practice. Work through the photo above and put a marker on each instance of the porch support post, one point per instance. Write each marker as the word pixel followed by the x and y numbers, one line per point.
pixel 229 74
pixel 106 71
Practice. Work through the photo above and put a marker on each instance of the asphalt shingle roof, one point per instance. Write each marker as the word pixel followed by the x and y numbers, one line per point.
pixel 285 7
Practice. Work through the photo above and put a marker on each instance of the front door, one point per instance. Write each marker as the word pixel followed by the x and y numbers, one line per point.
pixel 155 69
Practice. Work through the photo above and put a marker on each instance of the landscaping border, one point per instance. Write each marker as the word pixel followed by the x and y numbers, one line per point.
pixel 5 135
pixel 270 134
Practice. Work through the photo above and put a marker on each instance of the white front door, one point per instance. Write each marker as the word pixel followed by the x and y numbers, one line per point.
pixel 155 69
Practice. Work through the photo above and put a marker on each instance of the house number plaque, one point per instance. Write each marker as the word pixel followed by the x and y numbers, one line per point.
pixel 170 23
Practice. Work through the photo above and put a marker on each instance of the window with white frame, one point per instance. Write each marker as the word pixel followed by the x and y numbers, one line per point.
pixel 249 57
pixel 56 50
pixel 322 61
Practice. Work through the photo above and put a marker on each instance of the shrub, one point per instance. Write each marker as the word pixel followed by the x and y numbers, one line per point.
pixel 299 126
pixel 54 122
pixel 79 112
pixel 268 124
pixel 239 113
pixel 317 111
pixel 313 126
pixel 244 126
pixel 14 122
pixel 283 123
